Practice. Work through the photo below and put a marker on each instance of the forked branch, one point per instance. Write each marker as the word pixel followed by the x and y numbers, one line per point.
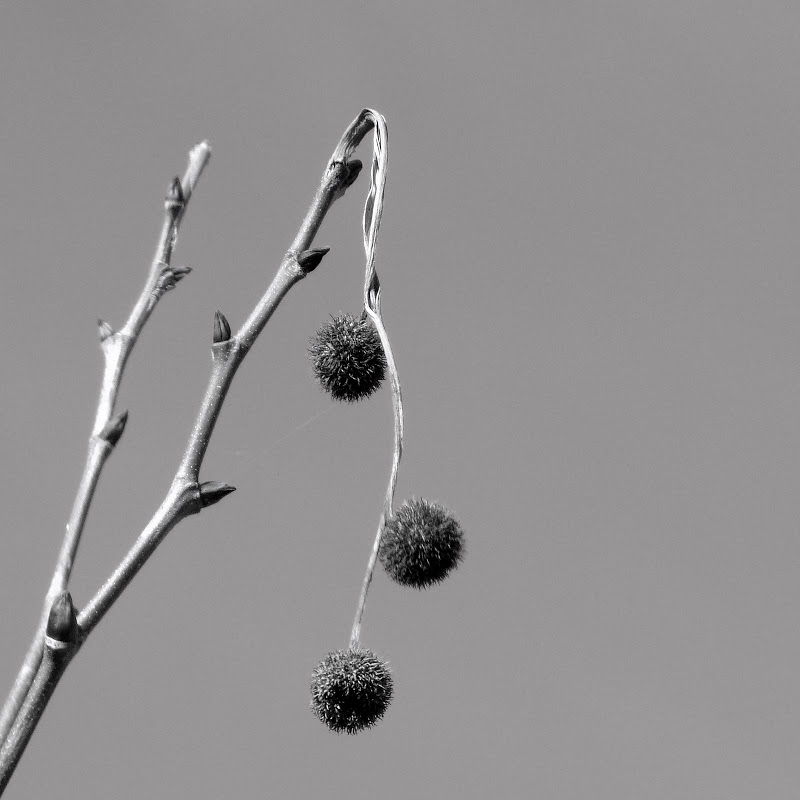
pixel 107 428
pixel 186 495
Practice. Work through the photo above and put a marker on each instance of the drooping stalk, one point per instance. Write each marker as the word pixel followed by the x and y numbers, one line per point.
pixel 373 211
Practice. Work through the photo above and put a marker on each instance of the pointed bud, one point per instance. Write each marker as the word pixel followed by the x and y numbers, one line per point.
pixel 213 491
pixel 180 272
pixel 222 331
pixel 114 428
pixel 104 330
pixel 353 171
pixel 62 624
pixel 175 200
pixel 309 260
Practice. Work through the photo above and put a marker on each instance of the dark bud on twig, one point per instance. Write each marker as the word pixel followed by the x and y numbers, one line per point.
pixel 213 491
pixel 309 260
pixel 114 428
pixel 104 330
pixel 169 279
pixel 222 331
pixel 175 200
pixel 421 543
pixel 62 624
pixel 353 171
pixel 179 272
pixel 351 690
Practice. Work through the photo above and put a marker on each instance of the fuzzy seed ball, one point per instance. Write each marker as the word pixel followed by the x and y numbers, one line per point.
pixel 350 690
pixel 421 543
pixel 348 358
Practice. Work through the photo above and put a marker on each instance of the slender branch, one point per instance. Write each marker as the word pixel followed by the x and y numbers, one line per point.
pixel 116 348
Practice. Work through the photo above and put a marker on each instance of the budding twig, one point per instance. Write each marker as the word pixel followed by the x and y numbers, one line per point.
pixel 116 348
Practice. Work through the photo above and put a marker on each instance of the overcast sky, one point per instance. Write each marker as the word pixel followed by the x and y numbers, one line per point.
pixel 589 267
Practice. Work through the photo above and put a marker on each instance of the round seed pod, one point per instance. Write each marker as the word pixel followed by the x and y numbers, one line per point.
pixel 347 357
pixel 421 543
pixel 350 690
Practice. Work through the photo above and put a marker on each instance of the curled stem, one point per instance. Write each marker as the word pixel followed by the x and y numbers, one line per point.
pixel 373 210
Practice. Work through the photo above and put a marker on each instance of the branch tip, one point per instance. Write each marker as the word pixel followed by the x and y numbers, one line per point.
pixel 213 491
pixel 222 330
pixel 201 150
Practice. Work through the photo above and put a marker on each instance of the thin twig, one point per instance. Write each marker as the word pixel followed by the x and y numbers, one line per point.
pixel 116 348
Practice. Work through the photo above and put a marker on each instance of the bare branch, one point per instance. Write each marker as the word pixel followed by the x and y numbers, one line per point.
pixel 116 348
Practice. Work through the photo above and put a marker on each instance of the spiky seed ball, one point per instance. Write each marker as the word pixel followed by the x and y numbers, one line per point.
pixel 350 690
pixel 348 358
pixel 421 543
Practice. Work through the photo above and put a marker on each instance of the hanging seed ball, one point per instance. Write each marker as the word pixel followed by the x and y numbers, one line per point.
pixel 350 690
pixel 421 543
pixel 348 359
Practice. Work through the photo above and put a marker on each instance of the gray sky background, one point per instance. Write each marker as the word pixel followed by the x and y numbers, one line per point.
pixel 589 262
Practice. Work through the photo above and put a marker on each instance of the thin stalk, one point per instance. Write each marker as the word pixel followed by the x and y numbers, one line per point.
pixel 373 210
pixel 116 348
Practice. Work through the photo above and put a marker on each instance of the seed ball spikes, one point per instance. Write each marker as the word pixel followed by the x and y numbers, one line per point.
pixel 350 690
pixel 421 543
pixel 348 358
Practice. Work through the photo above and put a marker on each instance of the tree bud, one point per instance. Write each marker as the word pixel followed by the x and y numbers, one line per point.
pixel 175 200
pixel 62 624
pixel 213 491
pixel 309 260
pixel 222 330
pixel 114 428
pixel 104 330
